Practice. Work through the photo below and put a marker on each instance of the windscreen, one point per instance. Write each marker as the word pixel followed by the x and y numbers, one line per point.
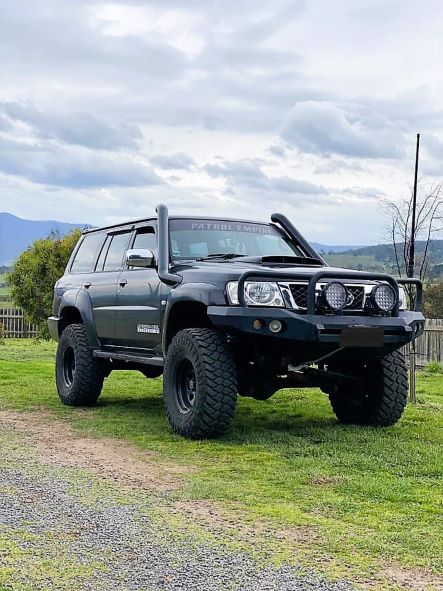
pixel 194 239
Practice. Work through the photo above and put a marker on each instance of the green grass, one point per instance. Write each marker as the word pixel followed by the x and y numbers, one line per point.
pixel 368 496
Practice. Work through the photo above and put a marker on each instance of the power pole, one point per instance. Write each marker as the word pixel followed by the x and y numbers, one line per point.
pixel 411 270
pixel 411 259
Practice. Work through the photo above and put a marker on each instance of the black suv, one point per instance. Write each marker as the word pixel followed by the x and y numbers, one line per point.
pixel 224 307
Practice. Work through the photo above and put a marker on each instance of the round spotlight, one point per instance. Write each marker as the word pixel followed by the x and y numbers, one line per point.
pixel 275 326
pixel 335 295
pixel 383 297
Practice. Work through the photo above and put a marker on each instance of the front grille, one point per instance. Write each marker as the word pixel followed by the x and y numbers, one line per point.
pixel 299 292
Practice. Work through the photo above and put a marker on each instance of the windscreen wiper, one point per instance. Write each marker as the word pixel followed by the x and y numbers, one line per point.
pixel 221 255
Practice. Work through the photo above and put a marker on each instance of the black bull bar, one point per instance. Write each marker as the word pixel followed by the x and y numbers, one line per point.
pixel 332 275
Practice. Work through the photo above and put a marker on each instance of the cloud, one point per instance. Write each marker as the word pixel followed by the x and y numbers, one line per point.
pixel 177 161
pixel 82 129
pixel 70 167
pixel 327 128
pixel 300 117
pixel 249 174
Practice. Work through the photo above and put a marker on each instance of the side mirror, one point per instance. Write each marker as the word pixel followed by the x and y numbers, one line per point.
pixel 140 257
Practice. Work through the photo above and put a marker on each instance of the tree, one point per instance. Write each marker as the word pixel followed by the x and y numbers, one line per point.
pixel 433 301
pixel 417 217
pixel 34 274
pixel 429 220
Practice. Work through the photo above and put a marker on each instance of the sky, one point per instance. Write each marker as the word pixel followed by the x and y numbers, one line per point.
pixel 223 108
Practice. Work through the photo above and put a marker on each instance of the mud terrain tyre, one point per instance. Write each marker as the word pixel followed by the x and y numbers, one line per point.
pixel 78 375
pixel 381 401
pixel 200 384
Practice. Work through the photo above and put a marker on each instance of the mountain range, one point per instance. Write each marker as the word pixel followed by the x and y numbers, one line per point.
pixel 16 234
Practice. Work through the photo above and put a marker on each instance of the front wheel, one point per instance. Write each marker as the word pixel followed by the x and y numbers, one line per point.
pixel 200 384
pixel 381 396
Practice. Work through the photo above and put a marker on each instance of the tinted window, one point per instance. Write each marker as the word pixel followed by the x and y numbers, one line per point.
pixel 199 238
pixel 116 252
pixel 146 239
pixel 87 253
pixel 103 253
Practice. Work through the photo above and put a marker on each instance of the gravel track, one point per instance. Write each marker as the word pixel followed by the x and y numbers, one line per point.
pixel 73 530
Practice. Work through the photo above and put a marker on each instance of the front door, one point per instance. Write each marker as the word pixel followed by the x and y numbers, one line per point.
pixel 138 305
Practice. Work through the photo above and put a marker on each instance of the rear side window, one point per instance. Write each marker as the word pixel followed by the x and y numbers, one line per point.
pixel 86 254
pixel 116 252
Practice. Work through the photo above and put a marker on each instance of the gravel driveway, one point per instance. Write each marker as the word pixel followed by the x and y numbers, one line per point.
pixel 67 523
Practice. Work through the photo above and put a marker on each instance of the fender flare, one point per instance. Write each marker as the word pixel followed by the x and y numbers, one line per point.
pixel 206 294
pixel 81 301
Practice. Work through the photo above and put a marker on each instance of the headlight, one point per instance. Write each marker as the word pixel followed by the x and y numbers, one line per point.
pixel 257 293
pixel 383 297
pixel 402 298
pixel 335 295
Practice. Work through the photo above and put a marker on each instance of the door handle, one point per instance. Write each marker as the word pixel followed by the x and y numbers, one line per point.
pixel 122 283
pixel 87 285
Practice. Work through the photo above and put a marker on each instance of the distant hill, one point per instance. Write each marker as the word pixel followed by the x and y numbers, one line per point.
pixel 17 234
pixel 325 249
pixel 381 257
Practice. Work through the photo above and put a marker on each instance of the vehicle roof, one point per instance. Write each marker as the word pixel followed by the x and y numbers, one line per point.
pixel 172 217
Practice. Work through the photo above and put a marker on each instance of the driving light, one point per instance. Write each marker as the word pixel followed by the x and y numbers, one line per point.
pixel 257 293
pixel 383 297
pixel 335 295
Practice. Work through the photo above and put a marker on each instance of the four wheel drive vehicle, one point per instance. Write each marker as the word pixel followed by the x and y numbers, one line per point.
pixel 224 307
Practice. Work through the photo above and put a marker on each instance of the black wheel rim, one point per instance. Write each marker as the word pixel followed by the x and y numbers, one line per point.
pixel 185 386
pixel 68 365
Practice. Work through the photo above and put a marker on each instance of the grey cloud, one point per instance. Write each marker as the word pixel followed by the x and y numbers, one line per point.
pixel 277 150
pixel 75 168
pixel 337 165
pixel 327 128
pixel 232 83
pixel 177 161
pixel 82 129
pixel 249 174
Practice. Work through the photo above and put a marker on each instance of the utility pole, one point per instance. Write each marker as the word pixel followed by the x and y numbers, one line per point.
pixel 411 262
pixel 411 270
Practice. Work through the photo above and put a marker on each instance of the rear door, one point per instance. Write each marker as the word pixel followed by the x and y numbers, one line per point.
pixel 138 308
pixel 103 284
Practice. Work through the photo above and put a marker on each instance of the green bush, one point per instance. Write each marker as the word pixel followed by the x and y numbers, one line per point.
pixel 434 367
pixel 34 274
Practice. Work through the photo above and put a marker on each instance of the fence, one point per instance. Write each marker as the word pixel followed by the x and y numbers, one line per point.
pixel 15 325
pixel 429 347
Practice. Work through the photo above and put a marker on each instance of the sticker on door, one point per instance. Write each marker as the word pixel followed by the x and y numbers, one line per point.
pixel 148 328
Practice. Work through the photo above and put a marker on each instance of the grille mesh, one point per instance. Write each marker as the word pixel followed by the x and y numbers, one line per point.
pixel 356 292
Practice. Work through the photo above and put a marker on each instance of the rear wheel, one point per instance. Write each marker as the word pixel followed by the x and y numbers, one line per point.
pixel 78 375
pixel 200 384
pixel 381 396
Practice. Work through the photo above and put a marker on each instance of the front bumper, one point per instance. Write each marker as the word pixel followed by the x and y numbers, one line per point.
pixel 314 328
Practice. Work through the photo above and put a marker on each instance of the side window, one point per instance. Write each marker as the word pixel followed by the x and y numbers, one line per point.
pixel 116 252
pixel 87 253
pixel 103 253
pixel 146 239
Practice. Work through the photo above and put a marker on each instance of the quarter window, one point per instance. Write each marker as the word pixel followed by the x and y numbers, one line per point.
pixel 116 252
pixel 146 240
pixel 87 253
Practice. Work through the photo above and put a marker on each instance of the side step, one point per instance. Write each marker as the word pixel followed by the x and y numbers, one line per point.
pixel 142 359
